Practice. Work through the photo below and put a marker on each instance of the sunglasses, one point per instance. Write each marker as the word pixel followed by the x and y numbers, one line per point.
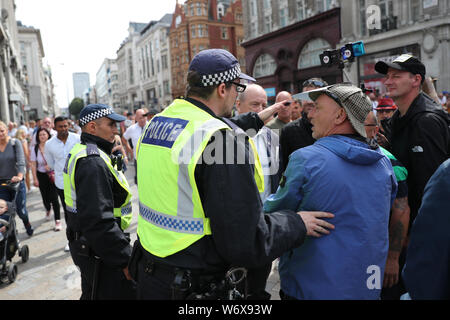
pixel 385 110
pixel 239 87
pixel 315 83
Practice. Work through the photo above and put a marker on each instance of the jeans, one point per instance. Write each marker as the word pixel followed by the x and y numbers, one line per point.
pixel 8 195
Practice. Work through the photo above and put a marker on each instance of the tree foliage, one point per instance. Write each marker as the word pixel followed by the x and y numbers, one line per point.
pixel 75 107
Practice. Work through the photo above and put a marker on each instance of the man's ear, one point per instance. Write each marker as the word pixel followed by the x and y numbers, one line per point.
pixel 91 127
pixel 341 115
pixel 238 105
pixel 221 90
pixel 417 80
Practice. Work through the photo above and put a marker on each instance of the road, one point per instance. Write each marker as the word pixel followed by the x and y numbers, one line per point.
pixel 50 274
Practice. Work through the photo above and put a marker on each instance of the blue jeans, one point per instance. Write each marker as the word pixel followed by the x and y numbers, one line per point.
pixel 21 208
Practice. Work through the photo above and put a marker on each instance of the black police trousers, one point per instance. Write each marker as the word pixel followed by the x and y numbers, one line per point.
pixel 111 282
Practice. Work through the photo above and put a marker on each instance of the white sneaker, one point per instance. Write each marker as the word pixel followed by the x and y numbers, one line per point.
pixel 58 226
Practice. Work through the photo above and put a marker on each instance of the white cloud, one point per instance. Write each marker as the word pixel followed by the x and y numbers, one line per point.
pixel 79 34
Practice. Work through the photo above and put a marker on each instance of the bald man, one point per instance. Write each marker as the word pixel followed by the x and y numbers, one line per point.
pixel 284 115
pixel 253 99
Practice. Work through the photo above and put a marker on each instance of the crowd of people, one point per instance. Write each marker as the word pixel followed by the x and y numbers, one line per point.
pixel 327 185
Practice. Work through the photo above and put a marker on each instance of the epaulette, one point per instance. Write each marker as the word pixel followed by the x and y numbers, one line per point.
pixel 92 149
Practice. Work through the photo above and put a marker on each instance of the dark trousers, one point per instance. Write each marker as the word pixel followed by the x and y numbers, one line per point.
pixel 63 201
pixel 111 282
pixel 256 283
pixel 49 194
pixel 155 285
pixel 135 171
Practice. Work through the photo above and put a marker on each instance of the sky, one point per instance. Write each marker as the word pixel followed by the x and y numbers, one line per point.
pixel 79 34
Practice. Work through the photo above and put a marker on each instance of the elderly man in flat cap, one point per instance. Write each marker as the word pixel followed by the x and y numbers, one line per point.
pixel 340 173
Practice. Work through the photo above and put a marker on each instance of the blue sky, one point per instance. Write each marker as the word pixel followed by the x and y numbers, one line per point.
pixel 79 34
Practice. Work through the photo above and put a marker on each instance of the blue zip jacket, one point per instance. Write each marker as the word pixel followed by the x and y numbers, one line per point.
pixel 343 176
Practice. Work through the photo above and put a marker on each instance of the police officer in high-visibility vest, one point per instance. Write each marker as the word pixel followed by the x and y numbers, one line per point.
pixel 200 215
pixel 98 205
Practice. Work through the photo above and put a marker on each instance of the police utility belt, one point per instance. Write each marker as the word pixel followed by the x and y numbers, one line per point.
pixel 81 244
pixel 190 284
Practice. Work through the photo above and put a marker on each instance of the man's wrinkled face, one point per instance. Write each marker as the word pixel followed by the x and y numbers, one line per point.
pixel 323 115
pixel 254 100
pixel 384 114
pixel 140 118
pixel 46 123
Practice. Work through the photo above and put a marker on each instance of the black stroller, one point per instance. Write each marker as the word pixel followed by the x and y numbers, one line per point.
pixel 10 244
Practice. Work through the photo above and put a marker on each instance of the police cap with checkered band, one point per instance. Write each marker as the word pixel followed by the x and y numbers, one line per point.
pixel 96 111
pixel 216 66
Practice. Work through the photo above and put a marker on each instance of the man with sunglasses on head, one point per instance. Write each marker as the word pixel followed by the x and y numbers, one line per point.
pixel 298 134
pixel 207 216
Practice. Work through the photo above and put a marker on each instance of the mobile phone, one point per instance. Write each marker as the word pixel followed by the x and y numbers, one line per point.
pixel 286 104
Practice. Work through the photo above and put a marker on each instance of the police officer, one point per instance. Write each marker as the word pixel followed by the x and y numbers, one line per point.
pixel 98 204
pixel 200 214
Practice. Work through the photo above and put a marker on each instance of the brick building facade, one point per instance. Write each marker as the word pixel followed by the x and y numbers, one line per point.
pixel 203 24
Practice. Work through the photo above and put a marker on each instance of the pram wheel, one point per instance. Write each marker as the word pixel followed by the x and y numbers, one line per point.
pixel 12 272
pixel 24 253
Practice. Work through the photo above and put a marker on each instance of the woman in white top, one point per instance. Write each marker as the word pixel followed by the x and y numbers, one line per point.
pixel 41 177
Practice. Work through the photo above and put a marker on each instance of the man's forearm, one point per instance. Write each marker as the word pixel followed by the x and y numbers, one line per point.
pixel 398 226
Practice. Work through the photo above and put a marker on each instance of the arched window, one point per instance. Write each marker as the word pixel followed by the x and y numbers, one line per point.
pixel 309 57
pixel 265 65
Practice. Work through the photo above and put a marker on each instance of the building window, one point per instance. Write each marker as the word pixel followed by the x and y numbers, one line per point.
pixel 309 56
pixel 166 88
pixel 363 18
pixel 193 31
pixel 265 65
pixel 283 14
pixel 301 10
pixel 164 62
pixel 324 5
pixel 224 32
pixel 199 8
pixel 202 31
pixel 415 10
pixel 220 11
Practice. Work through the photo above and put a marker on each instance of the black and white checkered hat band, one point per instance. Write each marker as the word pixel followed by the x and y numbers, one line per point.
pixel 218 78
pixel 95 115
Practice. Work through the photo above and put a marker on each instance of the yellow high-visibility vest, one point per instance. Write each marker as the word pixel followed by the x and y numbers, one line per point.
pixel 171 215
pixel 124 212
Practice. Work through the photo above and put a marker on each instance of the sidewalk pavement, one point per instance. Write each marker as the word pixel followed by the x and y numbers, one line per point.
pixel 50 274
